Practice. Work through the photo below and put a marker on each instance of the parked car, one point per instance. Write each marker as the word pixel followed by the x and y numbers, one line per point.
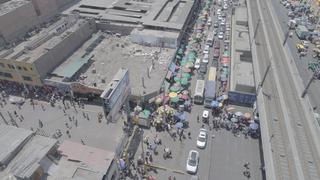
pixel 217 45
pixel 218 11
pixel 220 35
pixel 216 53
pixel 205 58
pixel 202 139
pixel 206 49
pixel 216 25
pixel 192 162
pixel 197 63
pixel 203 69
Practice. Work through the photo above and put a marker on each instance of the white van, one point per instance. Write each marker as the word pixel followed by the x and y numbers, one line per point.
pixel 205 58
pixel 209 22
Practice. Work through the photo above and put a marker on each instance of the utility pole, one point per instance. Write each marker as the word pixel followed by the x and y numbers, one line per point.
pixel 286 38
pixel 315 75
pixel 255 32
pixel 263 79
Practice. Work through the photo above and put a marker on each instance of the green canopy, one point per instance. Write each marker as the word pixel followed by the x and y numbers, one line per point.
pixel 182 63
pixel 177 79
pixel 186 75
pixel 175 88
pixel 226 53
pixel 180 51
pixel 184 81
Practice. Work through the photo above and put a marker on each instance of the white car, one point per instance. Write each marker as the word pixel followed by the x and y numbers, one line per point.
pixel 205 114
pixel 219 17
pixel 206 49
pixel 202 139
pixel 219 12
pixel 197 63
pixel 225 7
pixel 205 58
pixel 222 23
pixel 220 35
pixel 192 162
pixel 223 20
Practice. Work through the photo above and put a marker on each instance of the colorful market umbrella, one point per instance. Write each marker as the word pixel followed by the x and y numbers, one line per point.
pixel 247 115
pixel 186 70
pixel 175 88
pixel 189 64
pixel 184 96
pixel 173 94
pixel 254 126
pixel 174 99
pixel 158 100
pixel 177 79
pixel 186 75
pixel 185 92
pixel 214 104
pixel 184 81
pixel 179 125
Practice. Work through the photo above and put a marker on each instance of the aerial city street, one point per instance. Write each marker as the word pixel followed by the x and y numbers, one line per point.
pixel 159 89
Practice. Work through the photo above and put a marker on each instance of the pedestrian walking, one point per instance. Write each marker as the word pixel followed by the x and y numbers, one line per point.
pixel 246 165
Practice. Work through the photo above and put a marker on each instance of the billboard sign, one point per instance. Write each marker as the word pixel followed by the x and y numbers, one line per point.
pixel 247 99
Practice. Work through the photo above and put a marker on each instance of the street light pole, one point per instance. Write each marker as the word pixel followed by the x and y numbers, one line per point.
pixel 263 79
pixel 313 77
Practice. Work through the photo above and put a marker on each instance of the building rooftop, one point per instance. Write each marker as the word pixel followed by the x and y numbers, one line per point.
pixel 81 161
pixel 26 161
pixel 11 139
pixel 170 14
pixel 11 5
pixel 37 45
pixel 113 53
pixel 241 14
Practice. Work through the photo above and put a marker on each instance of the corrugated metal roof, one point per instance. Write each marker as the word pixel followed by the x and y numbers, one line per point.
pixel 11 139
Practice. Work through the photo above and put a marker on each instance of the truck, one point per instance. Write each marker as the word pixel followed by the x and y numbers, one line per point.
pixel 302 32
pixel 210 93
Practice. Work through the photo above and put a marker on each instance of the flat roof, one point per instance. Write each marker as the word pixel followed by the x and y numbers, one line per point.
pixel 11 5
pixel 11 138
pixel 159 13
pixel 36 46
pixel 113 53
pixel 241 14
pixel 27 161
pixel 81 161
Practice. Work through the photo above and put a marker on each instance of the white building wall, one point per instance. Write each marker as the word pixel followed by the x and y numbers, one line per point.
pixel 153 40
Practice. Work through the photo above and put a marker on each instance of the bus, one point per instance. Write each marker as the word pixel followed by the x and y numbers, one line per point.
pixel 212 74
pixel 198 93
pixel 210 39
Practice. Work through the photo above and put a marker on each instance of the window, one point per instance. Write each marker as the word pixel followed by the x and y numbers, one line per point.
pixel 4 74
pixel 26 78
pixel 25 69
pixel 10 66
pixel 19 67
pixel 31 69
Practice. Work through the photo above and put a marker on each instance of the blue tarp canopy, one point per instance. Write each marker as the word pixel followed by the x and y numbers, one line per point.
pixel 180 116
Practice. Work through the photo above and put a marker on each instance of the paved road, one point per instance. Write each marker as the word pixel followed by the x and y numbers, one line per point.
pixel 301 63
pixel 223 157
pixel 292 146
pixel 100 135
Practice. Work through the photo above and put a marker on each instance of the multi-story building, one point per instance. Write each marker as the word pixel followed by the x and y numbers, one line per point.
pixel 30 61
pixel 17 17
